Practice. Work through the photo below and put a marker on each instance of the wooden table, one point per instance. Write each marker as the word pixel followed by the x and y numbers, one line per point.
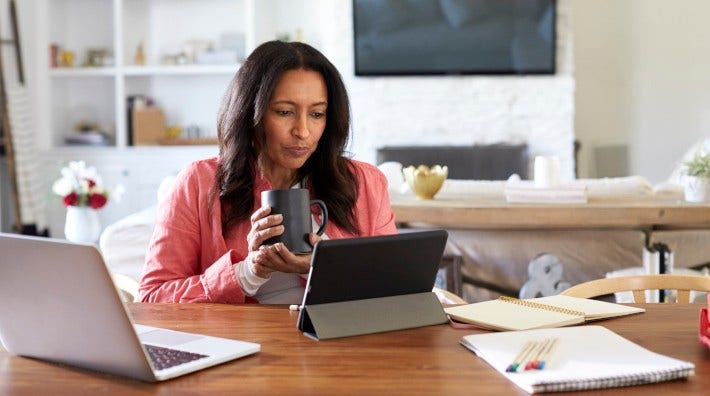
pixel 423 361
pixel 491 213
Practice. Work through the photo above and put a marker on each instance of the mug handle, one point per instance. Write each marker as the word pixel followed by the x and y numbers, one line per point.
pixel 324 215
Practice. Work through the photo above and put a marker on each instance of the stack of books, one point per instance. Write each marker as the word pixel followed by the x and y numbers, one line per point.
pixel 87 138
pixel 525 191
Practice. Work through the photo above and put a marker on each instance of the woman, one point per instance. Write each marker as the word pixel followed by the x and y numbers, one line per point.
pixel 284 122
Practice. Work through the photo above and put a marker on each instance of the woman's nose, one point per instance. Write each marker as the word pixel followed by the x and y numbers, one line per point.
pixel 300 129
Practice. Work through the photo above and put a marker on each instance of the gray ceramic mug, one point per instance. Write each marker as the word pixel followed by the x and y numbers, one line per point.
pixel 295 206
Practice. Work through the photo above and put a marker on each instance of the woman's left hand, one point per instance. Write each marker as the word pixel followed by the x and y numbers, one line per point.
pixel 277 257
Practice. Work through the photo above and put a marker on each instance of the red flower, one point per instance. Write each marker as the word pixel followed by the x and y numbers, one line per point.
pixel 70 199
pixel 97 201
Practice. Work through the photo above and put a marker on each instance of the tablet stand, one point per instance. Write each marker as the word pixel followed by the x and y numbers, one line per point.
pixel 373 315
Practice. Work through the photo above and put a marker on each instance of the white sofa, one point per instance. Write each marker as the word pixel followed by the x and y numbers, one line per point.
pixel 124 243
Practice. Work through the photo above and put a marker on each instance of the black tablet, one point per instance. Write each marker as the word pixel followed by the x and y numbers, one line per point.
pixel 372 267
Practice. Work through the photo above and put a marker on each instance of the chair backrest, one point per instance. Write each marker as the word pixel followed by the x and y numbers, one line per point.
pixel 638 284
pixel 127 287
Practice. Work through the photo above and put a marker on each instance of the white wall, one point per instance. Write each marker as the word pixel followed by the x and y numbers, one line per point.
pixel 641 68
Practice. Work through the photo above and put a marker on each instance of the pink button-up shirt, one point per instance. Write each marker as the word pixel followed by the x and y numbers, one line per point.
pixel 189 258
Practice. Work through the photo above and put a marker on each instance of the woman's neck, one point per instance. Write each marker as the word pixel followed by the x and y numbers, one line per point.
pixel 280 178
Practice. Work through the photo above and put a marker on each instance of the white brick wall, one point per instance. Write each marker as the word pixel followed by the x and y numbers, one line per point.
pixel 453 110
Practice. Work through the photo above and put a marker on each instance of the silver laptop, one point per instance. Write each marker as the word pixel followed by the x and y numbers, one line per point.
pixel 60 304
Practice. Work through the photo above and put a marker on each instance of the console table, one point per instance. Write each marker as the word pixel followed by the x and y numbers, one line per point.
pixel 492 213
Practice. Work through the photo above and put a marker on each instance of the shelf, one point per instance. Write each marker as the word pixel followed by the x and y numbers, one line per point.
pixel 156 70
pixel 178 149
pixel 82 71
pixel 189 142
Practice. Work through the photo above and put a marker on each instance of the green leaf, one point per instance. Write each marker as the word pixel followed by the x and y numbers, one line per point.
pixel 699 165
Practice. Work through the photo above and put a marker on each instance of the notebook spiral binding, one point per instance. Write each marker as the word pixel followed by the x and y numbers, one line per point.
pixel 620 381
pixel 532 304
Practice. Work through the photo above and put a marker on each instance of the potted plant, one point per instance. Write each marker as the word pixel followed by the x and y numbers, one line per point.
pixel 697 178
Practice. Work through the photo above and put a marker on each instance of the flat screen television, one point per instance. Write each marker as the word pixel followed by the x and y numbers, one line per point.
pixel 417 37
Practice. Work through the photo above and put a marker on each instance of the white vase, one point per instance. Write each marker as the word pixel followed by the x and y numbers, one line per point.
pixel 82 224
pixel 697 189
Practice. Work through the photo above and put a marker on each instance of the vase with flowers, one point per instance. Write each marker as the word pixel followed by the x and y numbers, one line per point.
pixel 83 194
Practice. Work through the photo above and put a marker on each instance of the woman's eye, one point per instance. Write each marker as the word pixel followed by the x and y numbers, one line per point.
pixel 284 113
pixel 317 115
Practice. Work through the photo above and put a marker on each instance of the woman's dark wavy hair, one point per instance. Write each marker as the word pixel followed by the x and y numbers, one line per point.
pixel 241 135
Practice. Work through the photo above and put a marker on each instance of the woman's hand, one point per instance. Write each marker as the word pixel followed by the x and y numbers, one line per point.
pixel 265 259
pixel 263 227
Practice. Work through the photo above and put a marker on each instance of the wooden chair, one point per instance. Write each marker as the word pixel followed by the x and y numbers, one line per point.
pixel 638 284
pixel 127 287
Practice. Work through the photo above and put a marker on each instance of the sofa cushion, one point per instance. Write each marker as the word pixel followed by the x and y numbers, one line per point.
pixel 124 243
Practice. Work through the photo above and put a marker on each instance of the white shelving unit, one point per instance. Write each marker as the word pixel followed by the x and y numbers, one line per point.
pixel 189 94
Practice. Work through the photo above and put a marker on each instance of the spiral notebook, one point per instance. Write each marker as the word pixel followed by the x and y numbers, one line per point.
pixel 506 313
pixel 586 357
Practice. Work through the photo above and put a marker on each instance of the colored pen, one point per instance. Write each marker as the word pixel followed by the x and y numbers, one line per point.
pixel 535 355
pixel 522 355
pixel 545 356
pixel 534 359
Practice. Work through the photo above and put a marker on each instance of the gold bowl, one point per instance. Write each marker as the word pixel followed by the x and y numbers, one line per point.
pixel 425 182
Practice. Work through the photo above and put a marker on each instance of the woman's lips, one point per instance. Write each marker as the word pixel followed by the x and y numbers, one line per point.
pixel 298 151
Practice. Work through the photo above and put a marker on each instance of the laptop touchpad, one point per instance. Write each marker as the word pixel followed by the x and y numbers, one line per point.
pixel 167 337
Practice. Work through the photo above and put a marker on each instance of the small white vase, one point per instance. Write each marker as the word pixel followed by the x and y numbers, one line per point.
pixel 82 224
pixel 697 189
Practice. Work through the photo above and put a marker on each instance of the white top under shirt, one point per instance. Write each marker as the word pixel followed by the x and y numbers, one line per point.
pixel 278 288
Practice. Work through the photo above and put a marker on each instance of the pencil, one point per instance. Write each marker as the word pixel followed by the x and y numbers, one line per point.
pixel 517 362
pixel 533 361
pixel 545 357
pixel 542 355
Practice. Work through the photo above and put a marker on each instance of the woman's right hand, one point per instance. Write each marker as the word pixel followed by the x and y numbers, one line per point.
pixel 263 227
pixel 265 259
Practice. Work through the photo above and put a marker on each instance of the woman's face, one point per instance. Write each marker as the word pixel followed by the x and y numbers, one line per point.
pixel 294 122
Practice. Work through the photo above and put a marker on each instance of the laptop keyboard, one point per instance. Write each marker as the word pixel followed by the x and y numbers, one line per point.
pixel 163 358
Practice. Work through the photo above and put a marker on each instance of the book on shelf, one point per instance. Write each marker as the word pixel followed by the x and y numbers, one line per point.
pixel 584 357
pixel 89 138
pixel 525 191
pixel 507 313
